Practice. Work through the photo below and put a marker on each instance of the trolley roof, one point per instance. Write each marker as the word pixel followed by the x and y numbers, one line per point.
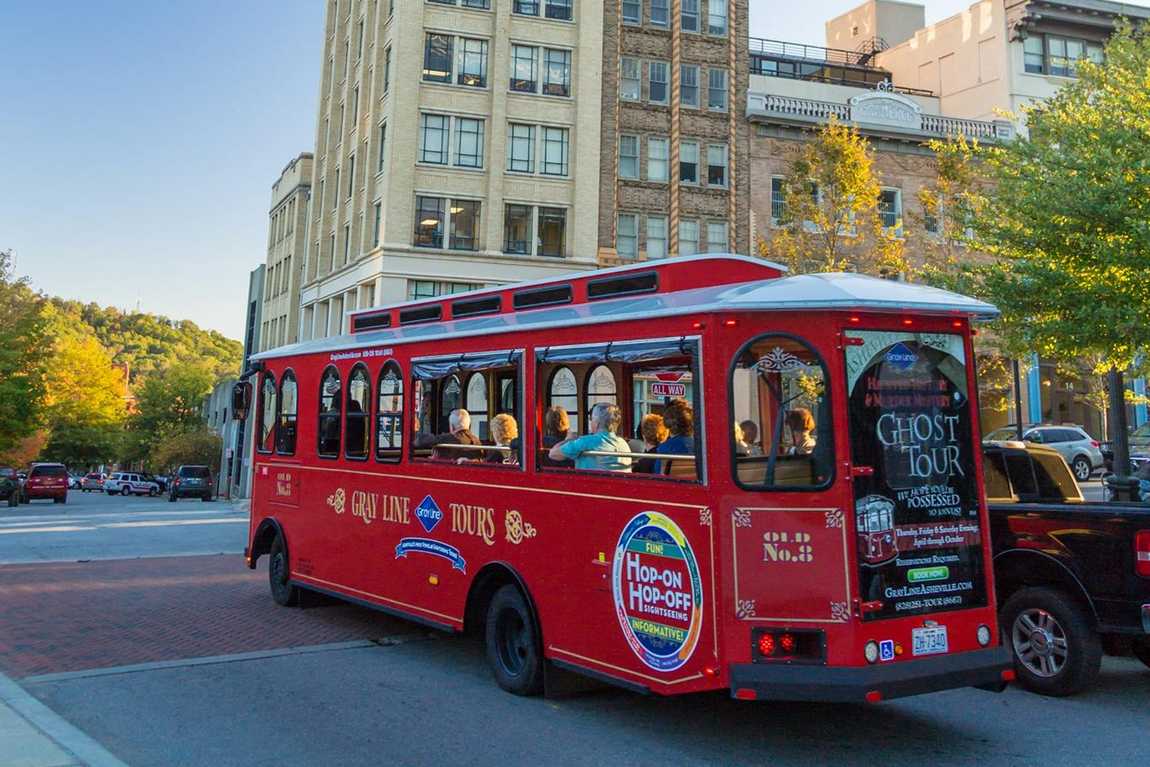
pixel 806 293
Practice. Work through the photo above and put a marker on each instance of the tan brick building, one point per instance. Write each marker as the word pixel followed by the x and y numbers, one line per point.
pixel 674 138
pixel 287 248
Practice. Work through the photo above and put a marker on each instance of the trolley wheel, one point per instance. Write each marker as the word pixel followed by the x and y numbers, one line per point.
pixel 513 647
pixel 1056 650
pixel 283 592
pixel 1141 650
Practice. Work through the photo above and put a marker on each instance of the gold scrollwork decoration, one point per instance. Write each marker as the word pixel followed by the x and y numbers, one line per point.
pixel 338 501
pixel 517 529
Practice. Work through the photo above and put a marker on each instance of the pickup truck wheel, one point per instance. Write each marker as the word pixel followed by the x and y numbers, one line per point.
pixel 1082 468
pixel 1056 650
pixel 1141 650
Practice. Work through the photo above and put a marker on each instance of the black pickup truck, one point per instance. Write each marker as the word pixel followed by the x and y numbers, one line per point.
pixel 1073 577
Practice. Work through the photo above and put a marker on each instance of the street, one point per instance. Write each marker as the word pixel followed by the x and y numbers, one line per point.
pixel 173 658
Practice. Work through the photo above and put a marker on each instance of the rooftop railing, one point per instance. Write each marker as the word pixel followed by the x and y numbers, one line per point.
pixel 801 51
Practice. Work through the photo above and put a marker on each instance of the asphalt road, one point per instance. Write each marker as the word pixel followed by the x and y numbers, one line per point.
pixel 98 526
pixel 173 660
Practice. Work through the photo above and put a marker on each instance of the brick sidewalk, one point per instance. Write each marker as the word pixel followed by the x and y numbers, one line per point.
pixel 75 616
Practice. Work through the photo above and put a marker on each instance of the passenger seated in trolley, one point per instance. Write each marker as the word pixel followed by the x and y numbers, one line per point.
pixel 679 417
pixel 654 434
pixel 750 431
pixel 604 438
pixel 802 426
pixel 556 425
pixel 459 421
pixel 504 433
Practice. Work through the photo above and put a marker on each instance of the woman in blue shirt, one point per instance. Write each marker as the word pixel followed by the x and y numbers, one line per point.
pixel 679 418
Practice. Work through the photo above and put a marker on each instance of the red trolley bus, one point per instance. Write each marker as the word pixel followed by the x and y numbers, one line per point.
pixel 813 527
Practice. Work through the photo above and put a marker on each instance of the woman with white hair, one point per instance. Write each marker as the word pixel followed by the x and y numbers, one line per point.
pixel 459 421
pixel 604 437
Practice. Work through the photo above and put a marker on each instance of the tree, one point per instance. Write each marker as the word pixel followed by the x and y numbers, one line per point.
pixel 168 402
pixel 23 354
pixel 830 218
pixel 196 446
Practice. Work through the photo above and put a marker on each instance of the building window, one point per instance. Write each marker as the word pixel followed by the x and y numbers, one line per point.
pixel 630 79
pixel 418 290
pixel 628 156
pixel 382 147
pixel 464 225
pixel 717 237
pixel 717 90
pixel 627 236
pixel 660 13
pixel 778 201
pixel 1033 54
pixel 689 85
pixel 387 70
pixel 433 137
pixel 346 243
pixel 429 222
pixel 632 11
pixel 657 159
pixel 482 5
pixel 1058 55
pixel 526 7
pixel 472 63
pixel 689 162
pixel 355 106
pixel 559 9
pixel 657 82
pixel 717 165
pixel 468 142
pixel 656 236
pixel 523 68
pixel 890 209
pixel 437 58
pixel 555 143
pixel 688 238
pixel 350 175
pixel 557 72
pixel 517 229
pixel 690 15
pixel 717 17
pixel 376 225
pixel 552 231
pixel 521 148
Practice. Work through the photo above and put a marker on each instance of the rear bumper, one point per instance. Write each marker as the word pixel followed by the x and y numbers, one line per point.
pixel 978 668
pixel 45 492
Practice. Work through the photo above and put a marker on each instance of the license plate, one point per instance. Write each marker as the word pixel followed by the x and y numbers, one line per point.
pixel 930 640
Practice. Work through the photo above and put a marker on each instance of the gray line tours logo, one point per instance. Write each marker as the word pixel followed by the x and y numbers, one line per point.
pixel 901 357
pixel 658 591
pixel 428 513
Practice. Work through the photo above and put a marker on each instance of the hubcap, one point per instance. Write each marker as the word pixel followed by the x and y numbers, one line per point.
pixel 1040 642
pixel 512 641
pixel 1082 469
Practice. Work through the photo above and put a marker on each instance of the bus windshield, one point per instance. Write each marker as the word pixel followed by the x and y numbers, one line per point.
pixel 916 493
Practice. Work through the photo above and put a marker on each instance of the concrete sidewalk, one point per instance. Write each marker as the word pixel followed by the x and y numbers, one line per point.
pixel 32 735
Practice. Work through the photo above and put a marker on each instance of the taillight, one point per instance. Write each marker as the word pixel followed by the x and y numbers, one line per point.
pixel 786 646
pixel 1095 443
pixel 1142 553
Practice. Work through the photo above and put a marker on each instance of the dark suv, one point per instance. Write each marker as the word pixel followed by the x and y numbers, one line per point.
pixel 9 486
pixel 191 482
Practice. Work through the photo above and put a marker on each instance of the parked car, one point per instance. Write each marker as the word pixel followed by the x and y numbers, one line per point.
pixel 74 481
pixel 161 482
pixel 93 481
pixel 45 480
pixel 191 482
pixel 1139 444
pixel 129 483
pixel 1082 452
pixel 1073 578
pixel 9 486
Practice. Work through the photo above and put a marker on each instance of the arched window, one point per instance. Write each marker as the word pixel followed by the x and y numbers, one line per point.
pixel 600 388
pixel 476 405
pixel 288 408
pixel 389 426
pixel 564 392
pixel 782 435
pixel 450 398
pixel 358 414
pixel 267 428
pixel 330 391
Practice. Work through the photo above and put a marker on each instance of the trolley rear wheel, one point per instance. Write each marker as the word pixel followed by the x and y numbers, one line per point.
pixel 513 647
pixel 279 575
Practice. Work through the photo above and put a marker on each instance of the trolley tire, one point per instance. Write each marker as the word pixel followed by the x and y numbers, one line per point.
pixel 1083 647
pixel 283 592
pixel 514 651
pixel 1141 650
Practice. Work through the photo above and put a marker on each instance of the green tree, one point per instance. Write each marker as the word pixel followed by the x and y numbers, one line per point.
pixel 830 218
pixel 23 357
pixel 196 446
pixel 168 402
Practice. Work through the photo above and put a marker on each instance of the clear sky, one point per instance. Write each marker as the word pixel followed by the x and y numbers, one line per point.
pixel 139 139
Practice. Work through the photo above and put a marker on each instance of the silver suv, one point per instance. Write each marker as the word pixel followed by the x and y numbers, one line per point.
pixel 1082 452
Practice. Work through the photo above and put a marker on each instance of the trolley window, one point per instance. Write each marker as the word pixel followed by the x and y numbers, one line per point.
pixel 288 409
pixel 781 431
pixel 389 414
pixel 467 408
pixel 267 414
pixel 358 414
pixel 330 391
pixel 651 432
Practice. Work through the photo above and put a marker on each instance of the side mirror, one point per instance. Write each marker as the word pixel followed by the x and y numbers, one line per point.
pixel 241 400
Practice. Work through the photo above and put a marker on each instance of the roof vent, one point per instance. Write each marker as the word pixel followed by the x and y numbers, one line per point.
pixel 473 307
pixel 623 285
pixel 536 297
pixel 371 322
pixel 419 314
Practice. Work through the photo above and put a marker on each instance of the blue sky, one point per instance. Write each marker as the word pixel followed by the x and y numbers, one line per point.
pixel 139 139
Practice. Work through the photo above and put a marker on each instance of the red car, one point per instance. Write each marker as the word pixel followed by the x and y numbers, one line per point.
pixel 46 480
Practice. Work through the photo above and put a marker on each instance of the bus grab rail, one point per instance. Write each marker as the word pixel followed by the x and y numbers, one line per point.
pixel 607 453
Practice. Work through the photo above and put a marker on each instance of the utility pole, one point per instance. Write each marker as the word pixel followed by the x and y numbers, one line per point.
pixel 1017 398
pixel 1122 486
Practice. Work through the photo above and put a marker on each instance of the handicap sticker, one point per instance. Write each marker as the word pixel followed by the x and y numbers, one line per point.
pixel 886 650
pixel 428 513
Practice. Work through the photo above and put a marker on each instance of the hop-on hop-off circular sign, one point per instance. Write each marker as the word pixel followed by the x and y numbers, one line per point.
pixel 658 591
